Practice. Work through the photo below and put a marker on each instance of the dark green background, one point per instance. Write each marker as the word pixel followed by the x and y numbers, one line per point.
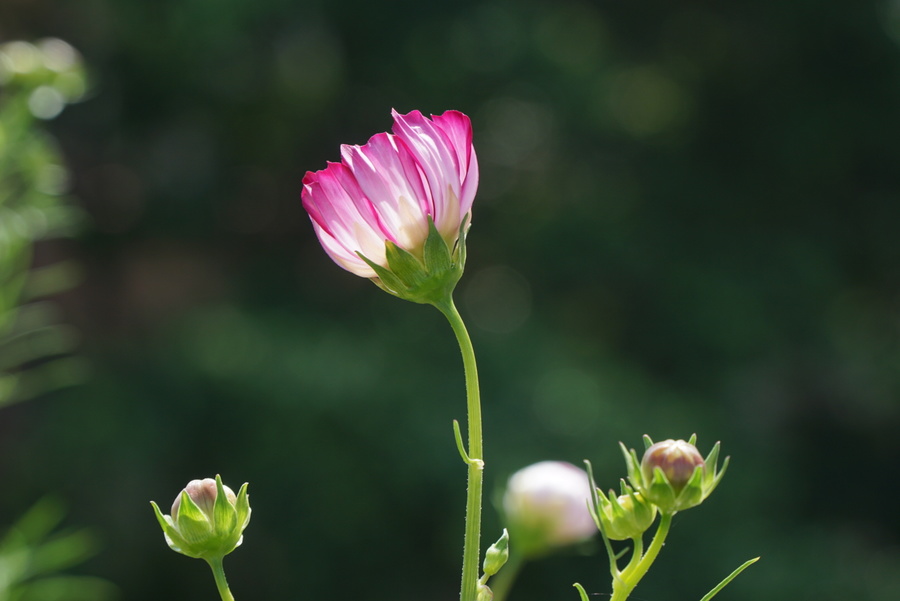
pixel 686 223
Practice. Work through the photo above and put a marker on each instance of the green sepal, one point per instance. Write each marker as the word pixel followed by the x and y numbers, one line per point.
pixel 436 254
pixel 386 280
pixel 633 464
pixel 714 476
pixel 173 538
pixel 162 519
pixel 404 265
pixel 224 513
pixel 192 524
pixel 242 507
pixel 459 251
pixel 618 522
pixel 426 280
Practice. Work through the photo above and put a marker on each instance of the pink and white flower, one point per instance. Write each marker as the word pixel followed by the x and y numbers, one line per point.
pixel 387 189
pixel 546 506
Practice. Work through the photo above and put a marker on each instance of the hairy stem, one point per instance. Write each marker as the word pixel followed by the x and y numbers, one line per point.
pixel 475 451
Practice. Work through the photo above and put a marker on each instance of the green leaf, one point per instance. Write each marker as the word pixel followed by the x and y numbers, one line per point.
pixel 66 588
pixel 581 591
pixel 729 578
pixel 63 552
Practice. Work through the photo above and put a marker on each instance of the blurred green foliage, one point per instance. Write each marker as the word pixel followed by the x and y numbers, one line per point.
pixel 686 223
pixel 33 553
pixel 36 82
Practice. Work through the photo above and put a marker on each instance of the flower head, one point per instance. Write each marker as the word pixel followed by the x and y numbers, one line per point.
pixel 673 475
pixel 546 506
pixel 395 199
pixel 207 519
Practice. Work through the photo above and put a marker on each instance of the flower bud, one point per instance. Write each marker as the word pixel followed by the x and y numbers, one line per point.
pixel 207 519
pixel 677 459
pixel 484 593
pixel 625 516
pixel 497 555
pixel 673 475
pixel 546 507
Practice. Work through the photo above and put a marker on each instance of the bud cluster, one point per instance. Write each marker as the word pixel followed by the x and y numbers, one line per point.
pixel 671 476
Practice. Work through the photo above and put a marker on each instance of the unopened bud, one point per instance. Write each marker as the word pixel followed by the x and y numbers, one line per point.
pixel 497 555
pixel 626 516
pixel 484 593
pixel 546 507
pixel 676 458
pixel 203 493
pixel 673 475
pixel 207 520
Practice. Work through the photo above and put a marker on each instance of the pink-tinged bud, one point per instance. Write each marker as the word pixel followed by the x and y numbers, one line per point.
pixel 676 458
pixel 546 506
pixel 207 520
pixel 203 493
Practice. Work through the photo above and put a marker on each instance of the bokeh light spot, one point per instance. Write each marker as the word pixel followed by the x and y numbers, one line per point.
pixel 22 57
pixel 45 102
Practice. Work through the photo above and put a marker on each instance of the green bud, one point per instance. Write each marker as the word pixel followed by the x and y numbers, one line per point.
pixel 625 516
pixel 673 475
pixel 484 593
pixel 497 555
pixel 207 519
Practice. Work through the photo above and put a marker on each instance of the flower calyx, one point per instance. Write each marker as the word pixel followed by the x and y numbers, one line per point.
pixel 429 279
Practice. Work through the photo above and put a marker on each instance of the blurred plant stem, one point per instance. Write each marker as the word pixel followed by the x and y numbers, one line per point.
pixel 504 580
pixel 474 456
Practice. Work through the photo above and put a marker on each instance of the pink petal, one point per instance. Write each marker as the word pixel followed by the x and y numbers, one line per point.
pixel 458 128
pixel 388 178
pixel 343 220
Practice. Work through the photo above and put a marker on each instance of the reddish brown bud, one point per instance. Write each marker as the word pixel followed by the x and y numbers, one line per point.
pixel 676 458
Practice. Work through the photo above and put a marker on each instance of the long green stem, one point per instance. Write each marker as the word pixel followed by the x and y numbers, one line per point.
pixel 219 575
pixel 472 542
pixel 625 582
